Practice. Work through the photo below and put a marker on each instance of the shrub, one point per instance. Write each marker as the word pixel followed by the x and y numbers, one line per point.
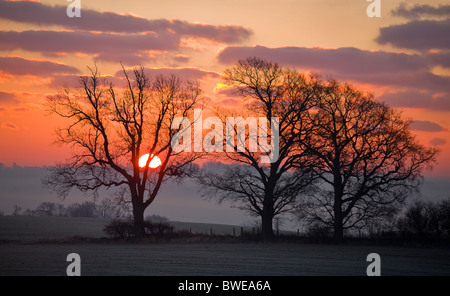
pixel 157 228
pixel 120 228
pixel 318 231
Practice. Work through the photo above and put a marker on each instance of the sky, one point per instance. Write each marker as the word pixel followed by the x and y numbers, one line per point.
pixel 403 56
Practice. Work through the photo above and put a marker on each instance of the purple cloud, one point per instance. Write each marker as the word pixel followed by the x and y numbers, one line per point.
pixel 410 99
pixel 426 126
pixel 190 74
pixel 129 48
pixel 419 35
pixel 229 102
pixel 73 81
pixel 9 125
pixel 105 36
pixel 346 60
pixel 21 66
pixel 181 59
pixel 421 10
pixel 439 59
pixel 7 98
pixel 438 142
pixel 91 20
pixel 226 34
pixel 416 99
pixel 381 68
pixel 104 46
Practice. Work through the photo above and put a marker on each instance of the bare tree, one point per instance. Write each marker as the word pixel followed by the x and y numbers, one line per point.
pixel 109 129
pixel 365 156
pixel 270 189
pixel 17 210
pixel 86 209
pixel 47 209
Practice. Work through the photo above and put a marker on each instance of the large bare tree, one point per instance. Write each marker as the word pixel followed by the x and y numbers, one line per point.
pixel 110 128
pixel 365 156
pixel 266 189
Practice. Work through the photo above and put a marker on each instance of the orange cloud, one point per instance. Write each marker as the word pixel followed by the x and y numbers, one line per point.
pixel 9 125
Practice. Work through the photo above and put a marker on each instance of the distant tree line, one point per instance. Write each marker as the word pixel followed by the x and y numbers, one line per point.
pixel 420 221
pixel 425 220
pixel 88 209
pixel 52 209
pixel 154 225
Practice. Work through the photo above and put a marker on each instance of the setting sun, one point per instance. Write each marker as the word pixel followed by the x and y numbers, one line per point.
pixel 154 163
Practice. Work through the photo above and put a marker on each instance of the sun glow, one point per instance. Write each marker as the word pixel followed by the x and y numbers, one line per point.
pixel 154 163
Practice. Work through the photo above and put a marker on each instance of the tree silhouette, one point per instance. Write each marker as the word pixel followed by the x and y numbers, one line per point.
pixel 266 189
pixel 365 157
pixel 109 129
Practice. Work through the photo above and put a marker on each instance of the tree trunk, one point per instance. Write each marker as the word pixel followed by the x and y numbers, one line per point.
pixel 338 232
pixel 267 218
pixel 138 215
pixel 267 230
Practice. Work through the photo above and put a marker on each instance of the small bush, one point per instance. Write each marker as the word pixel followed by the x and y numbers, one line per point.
pixel 318 231
pixel 157 228
pixel 120 228
pixel 125 228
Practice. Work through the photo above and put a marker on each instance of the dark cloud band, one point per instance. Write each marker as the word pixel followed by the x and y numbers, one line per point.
pixel 380 68
pixel 21 66
pixel 424 10
pixel 44 15
pixel 426 126
pixel 419 35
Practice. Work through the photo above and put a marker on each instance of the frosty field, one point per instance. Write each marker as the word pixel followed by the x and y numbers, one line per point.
pixel 20 254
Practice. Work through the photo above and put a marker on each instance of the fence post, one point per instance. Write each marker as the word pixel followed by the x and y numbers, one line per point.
pixel 298 232
pixel 234 232
pixel 242 231
pixel 210 230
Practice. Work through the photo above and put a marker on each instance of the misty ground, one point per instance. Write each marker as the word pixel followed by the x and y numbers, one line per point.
pixel 23 252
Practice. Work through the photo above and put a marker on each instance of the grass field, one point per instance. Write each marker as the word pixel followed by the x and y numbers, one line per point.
pixel 22 254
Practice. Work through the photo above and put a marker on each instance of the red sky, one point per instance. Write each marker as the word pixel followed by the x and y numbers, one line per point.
pixel 403 56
